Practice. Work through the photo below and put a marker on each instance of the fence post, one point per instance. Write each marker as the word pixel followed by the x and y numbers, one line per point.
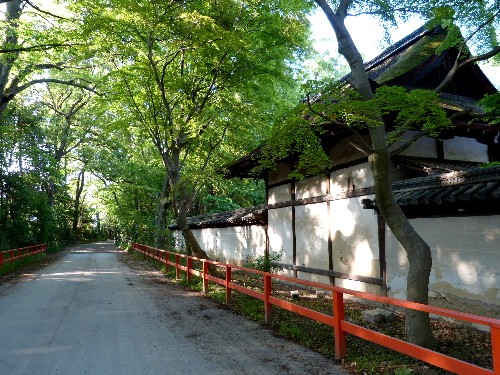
pixel 160 258
pixel 189 263
pixel 1 259
pixel 167 259
pixel 11 256
pixel 229 278
pixel 495 348
pixel 205 274
pixel 267 293
pixel 177 270
pixel 338 317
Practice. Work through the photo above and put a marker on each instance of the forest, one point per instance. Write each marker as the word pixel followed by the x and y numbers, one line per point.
pixel 116 117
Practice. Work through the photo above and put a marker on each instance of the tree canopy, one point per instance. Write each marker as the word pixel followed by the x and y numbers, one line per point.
pixel 151 98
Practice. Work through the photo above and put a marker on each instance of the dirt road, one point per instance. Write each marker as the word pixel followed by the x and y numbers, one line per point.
pixel 97 310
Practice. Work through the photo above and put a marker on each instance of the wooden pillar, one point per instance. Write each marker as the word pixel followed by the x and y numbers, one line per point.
pixel 381 252
pixel 294 234
pixel 330 240
pixel 266 228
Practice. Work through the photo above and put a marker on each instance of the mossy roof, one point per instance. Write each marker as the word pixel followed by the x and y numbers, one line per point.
pixel 404 62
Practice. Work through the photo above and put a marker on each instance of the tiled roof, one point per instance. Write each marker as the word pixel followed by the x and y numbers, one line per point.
pixel 241 217
pixel 433 166
pixel 389 57
pixel 451 188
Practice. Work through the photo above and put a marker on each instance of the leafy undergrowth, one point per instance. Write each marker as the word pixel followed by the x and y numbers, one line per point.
pixel 363 357
pixel 20 264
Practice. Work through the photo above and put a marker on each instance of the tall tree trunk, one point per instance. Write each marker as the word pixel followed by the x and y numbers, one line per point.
pixel 192 245
pixel 160 213
pixel 417 327
pixel 78 195
pixel 12 16
pixel 419 255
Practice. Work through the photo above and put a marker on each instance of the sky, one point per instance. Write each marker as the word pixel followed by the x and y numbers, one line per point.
pixel 370 38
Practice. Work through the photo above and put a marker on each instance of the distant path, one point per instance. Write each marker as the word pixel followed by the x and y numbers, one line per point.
pixel 97 310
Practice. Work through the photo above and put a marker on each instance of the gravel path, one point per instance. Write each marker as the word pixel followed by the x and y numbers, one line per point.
pixel 97 310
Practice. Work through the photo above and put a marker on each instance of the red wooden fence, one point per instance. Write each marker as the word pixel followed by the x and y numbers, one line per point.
pixel 340 326
pixel 11 255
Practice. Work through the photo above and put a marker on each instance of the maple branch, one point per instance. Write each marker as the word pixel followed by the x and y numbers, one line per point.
pixel 43 47
pixel 459 65
pixel 36 7
pixel 10 95
pixel 407 144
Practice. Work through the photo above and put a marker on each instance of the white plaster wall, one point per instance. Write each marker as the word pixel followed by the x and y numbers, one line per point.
pixel 355 177
pixel 280 193
pixel 311 187
pixel 312 238
pixel 280 233
pixel 354 239
pixel 467 149
pixel 424 147
pixel 235 245
pixel 465 253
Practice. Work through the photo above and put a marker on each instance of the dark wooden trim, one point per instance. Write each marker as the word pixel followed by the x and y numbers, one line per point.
pixel 351 163
pixel 440 149
pixel 266 227
pixel 294 231
pixel 323 198
pixel 330 241
pixel 340 275
pixel 381 252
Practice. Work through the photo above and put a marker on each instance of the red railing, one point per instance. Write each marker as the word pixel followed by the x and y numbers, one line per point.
pixel 11 255
pixel 340 326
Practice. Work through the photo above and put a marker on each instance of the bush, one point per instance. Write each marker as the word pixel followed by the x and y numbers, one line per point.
pixel 267 263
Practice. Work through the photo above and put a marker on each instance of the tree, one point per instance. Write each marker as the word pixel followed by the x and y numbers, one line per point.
pixel 484 17
pixel 35 43
pixel 194 75
pixel 69 124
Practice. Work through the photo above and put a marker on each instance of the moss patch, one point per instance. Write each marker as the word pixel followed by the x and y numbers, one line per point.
pixel 412 57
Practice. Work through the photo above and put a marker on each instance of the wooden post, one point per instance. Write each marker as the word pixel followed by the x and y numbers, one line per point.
pixel 1 260
pixel 495 348
pixel 160 258
pixel 228 281
pixel 338 317
pixel 205 274
pixel 188 270
pixel 177 270
pixel 267 293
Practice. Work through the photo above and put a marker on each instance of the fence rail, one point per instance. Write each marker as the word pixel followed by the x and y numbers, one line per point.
pixel 340 326
pixel 10 256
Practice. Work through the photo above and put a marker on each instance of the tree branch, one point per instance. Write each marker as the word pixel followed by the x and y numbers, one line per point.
pixel 343 8
pixel 459 65
pixel 43 11
pixel 43 47
pixel 360 148
pixel 407 144
pixel 14 91
pixel 469 61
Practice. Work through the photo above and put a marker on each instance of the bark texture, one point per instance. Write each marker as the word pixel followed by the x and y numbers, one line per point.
pixel 418 252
